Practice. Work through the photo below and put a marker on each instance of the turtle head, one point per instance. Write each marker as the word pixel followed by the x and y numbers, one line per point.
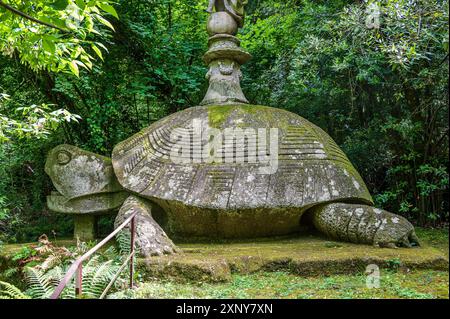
pixel 77 173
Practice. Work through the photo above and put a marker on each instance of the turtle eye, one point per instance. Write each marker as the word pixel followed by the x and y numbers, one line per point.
pixel 63 157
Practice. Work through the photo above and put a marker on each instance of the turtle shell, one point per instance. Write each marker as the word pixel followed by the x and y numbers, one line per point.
pixel 236 196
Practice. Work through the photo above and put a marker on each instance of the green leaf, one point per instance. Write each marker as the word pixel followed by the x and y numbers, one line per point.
pixel 97 50
pixel 104 22
pixel 60 4
pixel 89 24
pixel 102 46
pixel 74 68
pixel 81 4
pixel 81 64
pixel 108 8
pixel 49 45
pixel 87 62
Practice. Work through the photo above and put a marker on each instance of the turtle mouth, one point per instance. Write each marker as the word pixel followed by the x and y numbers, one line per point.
pixel 96 203
pixel 56 193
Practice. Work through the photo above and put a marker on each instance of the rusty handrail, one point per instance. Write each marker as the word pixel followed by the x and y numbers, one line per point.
pixel 77 266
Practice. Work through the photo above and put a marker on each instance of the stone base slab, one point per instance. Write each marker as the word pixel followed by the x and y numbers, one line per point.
pixel 304 256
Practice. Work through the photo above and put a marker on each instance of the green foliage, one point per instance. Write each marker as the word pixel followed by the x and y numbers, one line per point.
pixel 123 240
pixel 96 276
pixel 45 265
pixel 24 254
pixel 61 40
pixel 35 121
pixel 56 37
pixel 23 186
pixel 39 285
pixel 381 93
pixel 155 69
pixel 394 264
pixel 279 285
pixel 4 214
pixel 8 291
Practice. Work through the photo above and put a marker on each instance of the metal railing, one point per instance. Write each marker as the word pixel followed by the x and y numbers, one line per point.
pixel 77 266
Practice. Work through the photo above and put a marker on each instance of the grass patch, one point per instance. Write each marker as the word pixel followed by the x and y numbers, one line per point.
pixel 395 282
pixel 279 285
pixel 437 238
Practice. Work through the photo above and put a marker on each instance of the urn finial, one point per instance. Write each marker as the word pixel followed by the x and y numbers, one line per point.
pixel 225 56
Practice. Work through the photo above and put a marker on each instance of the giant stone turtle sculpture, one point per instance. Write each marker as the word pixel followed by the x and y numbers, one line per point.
pixel 161 172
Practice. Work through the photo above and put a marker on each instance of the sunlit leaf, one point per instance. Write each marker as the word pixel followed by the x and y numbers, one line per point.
pixel 108 8
pixel 74 68
pixel 97 51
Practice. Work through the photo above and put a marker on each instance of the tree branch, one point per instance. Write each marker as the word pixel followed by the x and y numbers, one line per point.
pixel 26 16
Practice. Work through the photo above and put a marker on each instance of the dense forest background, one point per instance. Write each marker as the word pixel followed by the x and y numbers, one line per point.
pixel 380 92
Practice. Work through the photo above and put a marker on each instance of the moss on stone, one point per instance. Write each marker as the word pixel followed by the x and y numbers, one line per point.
pixel 219 114
pixel 306 256
pixel 186 270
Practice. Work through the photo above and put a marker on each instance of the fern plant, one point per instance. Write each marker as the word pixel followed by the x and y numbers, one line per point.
pixel 96 277
pixel 9 291
pixel 42 279
pixel 123 239
pixel 39 283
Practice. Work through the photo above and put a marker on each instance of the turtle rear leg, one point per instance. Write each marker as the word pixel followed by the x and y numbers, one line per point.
pixel 364 224
pixel 151 240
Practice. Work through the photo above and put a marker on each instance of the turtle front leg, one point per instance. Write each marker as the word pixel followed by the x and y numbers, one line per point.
pixel 151 239
pixel 363 224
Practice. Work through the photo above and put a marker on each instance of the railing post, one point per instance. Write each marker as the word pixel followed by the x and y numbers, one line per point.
pixel 132 230
pixel 76 269
pixel 79 281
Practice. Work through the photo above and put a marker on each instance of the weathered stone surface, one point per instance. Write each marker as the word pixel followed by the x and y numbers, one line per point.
pixel 85 227
pixel 257 184
pixel 186 270
pixel 151 240
pixel 224 77
pixel 224 56
pixel 303 256
pixel 228 199
pixel 221 23
pixel 364 224
pixel 94 204
pixel 235 8
pixel 234 199
pixel 87 186
pixel 76 172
